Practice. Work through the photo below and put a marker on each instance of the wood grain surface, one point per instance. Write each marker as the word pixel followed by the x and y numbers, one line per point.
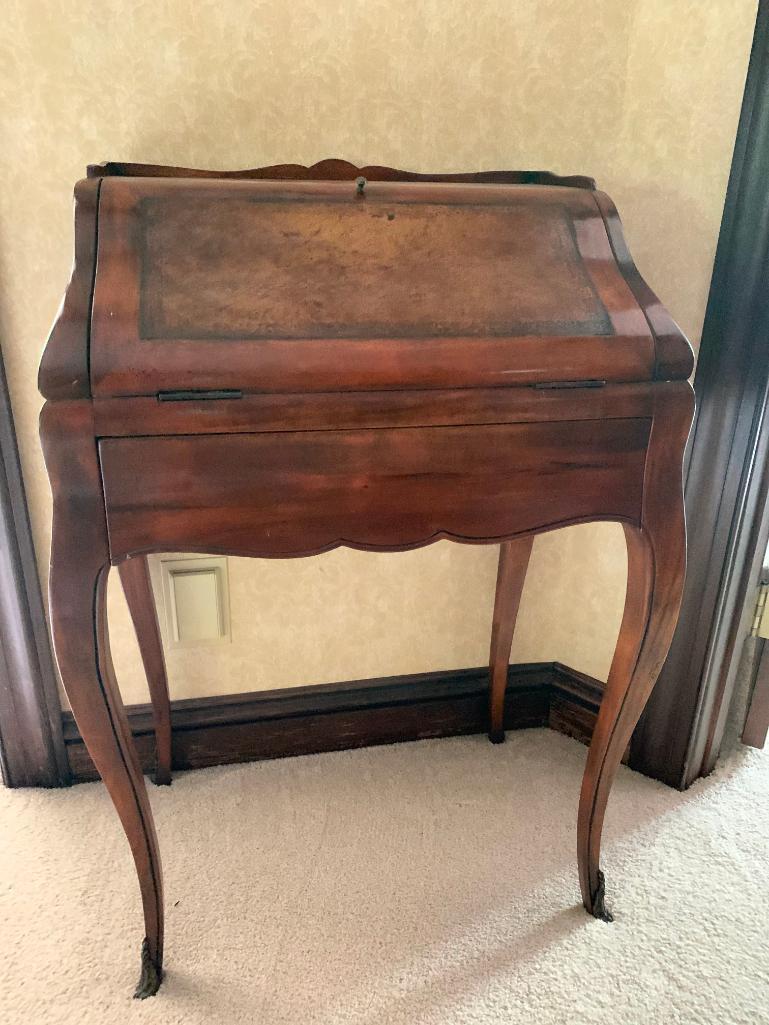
pixel 297 493
pixel 277 368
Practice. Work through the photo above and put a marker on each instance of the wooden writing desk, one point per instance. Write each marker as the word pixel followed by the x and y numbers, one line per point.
pixel 278 362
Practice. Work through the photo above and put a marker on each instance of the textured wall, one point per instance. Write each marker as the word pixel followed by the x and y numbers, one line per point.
pixel 642 94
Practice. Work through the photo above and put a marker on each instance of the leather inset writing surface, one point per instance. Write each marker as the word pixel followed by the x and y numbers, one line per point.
pixel 260 267
pixel 271 286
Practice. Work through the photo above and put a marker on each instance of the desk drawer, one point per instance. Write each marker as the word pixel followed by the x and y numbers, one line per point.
pixel 296 493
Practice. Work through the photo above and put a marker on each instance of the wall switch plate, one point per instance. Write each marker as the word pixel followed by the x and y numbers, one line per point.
pixel 196 600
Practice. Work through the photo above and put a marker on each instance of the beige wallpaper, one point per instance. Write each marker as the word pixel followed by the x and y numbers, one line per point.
pixel 642 94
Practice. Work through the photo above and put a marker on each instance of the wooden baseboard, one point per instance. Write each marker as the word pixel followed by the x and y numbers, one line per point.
pixel 360 713
pixel 574 702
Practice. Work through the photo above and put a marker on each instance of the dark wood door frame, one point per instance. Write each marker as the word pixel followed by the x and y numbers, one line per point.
pixel 726 484
pixel 32 751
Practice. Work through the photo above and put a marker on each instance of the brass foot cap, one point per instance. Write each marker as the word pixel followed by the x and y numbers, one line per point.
pixel 599 910
pixel 151 976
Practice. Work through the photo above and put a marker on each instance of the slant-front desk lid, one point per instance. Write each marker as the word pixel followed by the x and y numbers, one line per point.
pixel 296 286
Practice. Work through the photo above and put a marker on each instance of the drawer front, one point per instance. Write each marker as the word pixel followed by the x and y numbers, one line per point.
pixel 296 493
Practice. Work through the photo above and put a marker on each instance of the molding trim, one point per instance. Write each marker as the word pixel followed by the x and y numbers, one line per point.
pixel 360 713
pixel 32 749
pixel 334 169
pixel 727 479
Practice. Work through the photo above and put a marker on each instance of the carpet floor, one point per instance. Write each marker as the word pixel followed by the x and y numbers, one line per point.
pixel 420 884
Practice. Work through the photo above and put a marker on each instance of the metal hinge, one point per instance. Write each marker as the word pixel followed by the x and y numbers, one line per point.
pixel 570 384
pixel 760 627
pixel 202 395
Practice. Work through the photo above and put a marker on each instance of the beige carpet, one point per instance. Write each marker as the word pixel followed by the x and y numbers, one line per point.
pixel 430 883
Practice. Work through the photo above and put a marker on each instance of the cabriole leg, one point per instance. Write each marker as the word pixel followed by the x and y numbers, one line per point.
pixel 137 587
pixel 511 574
pixel 79 568
pixel 626 693
pixel 656 567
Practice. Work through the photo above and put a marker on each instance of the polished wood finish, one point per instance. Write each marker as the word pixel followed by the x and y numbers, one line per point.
pixel 255 413
pixel 511 575
pixel 339 170
pixel 673 357
pixel 64 373
pixel 363 423
pixel 656 569
pixel 383 489
pixel 149 288
pixel 137 587
pixel 77 592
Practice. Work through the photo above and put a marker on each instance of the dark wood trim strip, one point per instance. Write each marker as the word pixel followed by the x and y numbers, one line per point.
pixel 576 687
pixel 306 720
pixel 681 731
pixel 32 751
pixel 574 702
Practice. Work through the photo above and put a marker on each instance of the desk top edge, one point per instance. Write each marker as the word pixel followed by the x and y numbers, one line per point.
pixel 334 169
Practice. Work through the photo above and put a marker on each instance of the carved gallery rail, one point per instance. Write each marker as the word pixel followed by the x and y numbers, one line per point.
pixel 277 362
